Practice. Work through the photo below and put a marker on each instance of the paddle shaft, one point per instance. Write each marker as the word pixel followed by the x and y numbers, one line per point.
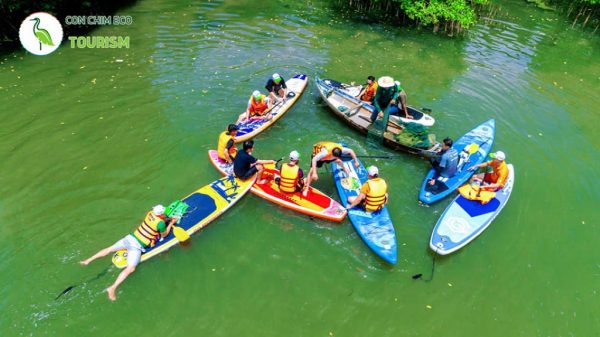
pixel 69 288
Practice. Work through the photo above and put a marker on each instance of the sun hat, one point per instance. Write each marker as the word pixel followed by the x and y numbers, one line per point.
pixel 386 82
pixel 294 155
pixel 373 171
pixel 276 78
pixel 256 94
pixel 158 210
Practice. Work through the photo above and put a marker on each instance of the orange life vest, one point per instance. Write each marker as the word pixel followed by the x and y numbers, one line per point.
pixel 327 145
pixel 370 92
pixel 147 233
pixel 257 107
pixel 289 178
pixel 224 138
pixel 376 196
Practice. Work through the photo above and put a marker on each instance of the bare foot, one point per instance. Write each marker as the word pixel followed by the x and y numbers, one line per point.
pixel 431 182
pixel 84 262
pixel 305 192
pixel 262 181
pixel 111 294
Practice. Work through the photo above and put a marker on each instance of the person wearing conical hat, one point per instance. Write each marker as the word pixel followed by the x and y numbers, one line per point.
pixel 386 94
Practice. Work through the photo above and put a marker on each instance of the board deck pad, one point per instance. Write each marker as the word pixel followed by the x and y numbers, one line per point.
pixel 205 204
pixel 316 203
pixel 374 228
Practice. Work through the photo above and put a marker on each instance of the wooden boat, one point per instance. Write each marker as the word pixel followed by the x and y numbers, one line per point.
pixel 358 115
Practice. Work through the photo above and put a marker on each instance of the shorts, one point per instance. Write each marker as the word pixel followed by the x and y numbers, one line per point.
pixel 321 162
pixel 134 249
pixel 249 173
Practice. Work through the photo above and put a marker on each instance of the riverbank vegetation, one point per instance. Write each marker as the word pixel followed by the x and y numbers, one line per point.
pixel 448 16
pixel 12 13
pixel 583 12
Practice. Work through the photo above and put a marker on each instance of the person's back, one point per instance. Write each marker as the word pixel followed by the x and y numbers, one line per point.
pixel 242 163
pixel 375 190
pixel 449 163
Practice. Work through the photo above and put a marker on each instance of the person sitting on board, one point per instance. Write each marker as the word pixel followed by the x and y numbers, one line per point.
pixel 368 92
pixel 395 108
pixel 148 233
pixel 226 146
pixel 291 177
pixel 445 163
pixel 385 95
pixel 327 152
pixel 276 88
pixel 494 180
pixel 258 106
pixel 245 165
pixel 373 193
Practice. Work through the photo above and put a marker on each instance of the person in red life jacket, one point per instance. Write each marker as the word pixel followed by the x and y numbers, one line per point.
pixel 276 88
pixel 373 193
pixel 258 106
pixel 291 177
pixel 368 92
pixel 150 231
pixel 226 146
pixel 327 152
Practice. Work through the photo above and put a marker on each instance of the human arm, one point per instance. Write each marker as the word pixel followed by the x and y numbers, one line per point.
pixel 484 164
pixel 264 161
pixel 168 228
pixel 228 158
pixel 356 200
pixel 352 154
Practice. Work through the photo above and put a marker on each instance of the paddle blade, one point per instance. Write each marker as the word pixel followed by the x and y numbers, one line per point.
pixel 472 148
pixel 417 276
pixel 181 234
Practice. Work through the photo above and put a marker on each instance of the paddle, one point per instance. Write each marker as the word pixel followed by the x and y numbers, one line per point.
pixel 180 234
pixel 69 288
pixel 418 276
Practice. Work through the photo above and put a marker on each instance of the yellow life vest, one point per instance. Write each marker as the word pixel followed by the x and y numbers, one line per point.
pixel 376 196
pixel 327 145
pixel 224 137
pixel 289 178
pixel 476 193
pixel 147 233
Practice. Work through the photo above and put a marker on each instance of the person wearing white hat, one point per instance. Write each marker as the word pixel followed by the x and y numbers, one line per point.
pixel 395 108
pixel 276 88
pixel 150 231
pixel 385 95
pixel 258 107
pixel 291 177
pixel 494 180
pixel 373 193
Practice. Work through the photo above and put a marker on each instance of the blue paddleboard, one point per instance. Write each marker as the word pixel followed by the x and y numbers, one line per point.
pixel 465 219
pixel 482 137
pixel 376 228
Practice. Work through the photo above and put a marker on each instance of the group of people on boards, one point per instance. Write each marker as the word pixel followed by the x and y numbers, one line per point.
pixel 259 105
pixel 383 93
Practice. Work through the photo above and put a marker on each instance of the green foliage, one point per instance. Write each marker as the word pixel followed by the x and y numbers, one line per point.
pixel 583 12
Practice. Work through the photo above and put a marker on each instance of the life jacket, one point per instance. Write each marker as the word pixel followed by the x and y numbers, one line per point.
pixel 224 138
pixel 476 193
pixel 370 92
pixel 376 196
pixel 257 107
pixel 289 178
pixel 147 233
pixel 327 145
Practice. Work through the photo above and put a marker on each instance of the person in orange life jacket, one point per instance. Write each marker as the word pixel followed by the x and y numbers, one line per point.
pixel 276 87
pixel 368 92
pixel 151 230
pixel 257 105
pixel 373 193
pixel 245 165
pixel 327 152
pixel 226 146
pixel 495 180
pixel 291 177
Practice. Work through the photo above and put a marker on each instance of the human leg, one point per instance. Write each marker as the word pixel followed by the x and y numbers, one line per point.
pixel 112 290
pixel 121 244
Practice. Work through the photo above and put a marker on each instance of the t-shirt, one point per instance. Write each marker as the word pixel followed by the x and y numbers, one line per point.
pixel 384 96
pixel 242 163
pixel 449 163
pixel 324 153
pixel 500 173
pixel 274 87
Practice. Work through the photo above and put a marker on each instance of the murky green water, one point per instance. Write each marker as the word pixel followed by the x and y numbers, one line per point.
pixel 89 143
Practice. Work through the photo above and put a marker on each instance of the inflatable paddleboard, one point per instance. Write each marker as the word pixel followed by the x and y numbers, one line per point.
pixel 376 228
pixel 249 129
pixel 465 219
pixel 316 204
pixel 481 138
pixel 205 205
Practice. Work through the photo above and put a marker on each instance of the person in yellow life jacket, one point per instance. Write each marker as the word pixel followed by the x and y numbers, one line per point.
pixel 291 177
pixel 327 152
pixel 373 193
pixel 368 91
pixel 151 230
pixel 258 106
pixel 226 146
pixel 494 180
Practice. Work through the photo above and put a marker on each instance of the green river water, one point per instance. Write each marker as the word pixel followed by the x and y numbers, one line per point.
pixel 90 143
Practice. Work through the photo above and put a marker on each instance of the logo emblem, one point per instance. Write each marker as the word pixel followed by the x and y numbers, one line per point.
pixel 40 33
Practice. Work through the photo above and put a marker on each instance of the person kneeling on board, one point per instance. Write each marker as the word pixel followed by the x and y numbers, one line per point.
pixel 291 177
pixel 445 163
pixel 276 87
pixel 395 108
pixel 327 152
pixel 368 92
pixel 258 107
pixel 373 193
pixel 150 231
pixel 494 180
pixel 226 146
pixel 245 165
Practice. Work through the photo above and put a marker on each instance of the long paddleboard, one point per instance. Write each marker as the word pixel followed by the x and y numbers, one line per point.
pixel 480 138
pixel 249 129
pixel 465 219
pixel 205 205
pixel 376 228
pixel 316 204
